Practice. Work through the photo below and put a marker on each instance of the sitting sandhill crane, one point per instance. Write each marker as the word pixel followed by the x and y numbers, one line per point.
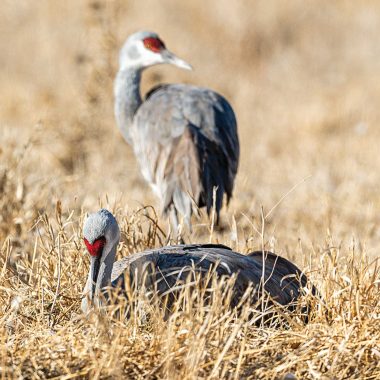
pixel 184 137
pixel 168 265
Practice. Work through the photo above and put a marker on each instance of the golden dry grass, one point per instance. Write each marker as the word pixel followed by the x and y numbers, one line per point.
pixel 304 79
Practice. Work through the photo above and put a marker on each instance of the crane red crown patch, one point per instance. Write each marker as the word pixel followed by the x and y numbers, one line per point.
pixel 96 248
pixel 153 44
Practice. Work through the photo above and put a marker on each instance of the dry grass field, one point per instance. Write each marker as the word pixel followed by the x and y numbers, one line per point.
pixel 304 80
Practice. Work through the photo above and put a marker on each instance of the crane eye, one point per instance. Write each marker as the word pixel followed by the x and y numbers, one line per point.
pixel 96 248
pixel 153 44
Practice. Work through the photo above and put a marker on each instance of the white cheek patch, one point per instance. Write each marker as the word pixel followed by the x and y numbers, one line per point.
pixel 133 53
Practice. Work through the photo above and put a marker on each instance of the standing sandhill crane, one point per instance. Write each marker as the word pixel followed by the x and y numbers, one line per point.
pixel 168 265
pixel 184 137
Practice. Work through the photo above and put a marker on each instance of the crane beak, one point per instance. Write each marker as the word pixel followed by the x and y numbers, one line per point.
pixel 171 58
pixel 95 266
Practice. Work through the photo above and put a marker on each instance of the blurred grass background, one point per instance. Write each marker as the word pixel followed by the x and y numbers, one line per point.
pixel 303 79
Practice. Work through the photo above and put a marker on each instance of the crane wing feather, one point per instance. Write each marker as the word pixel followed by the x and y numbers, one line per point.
pixel 282 279
pixel 185 139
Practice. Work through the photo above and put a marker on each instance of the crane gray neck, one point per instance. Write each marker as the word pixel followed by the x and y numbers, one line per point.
pixel 127 98
pixel 104 277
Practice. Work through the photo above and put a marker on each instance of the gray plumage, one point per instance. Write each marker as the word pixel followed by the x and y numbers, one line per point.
pixel 166 266
pixel 184 137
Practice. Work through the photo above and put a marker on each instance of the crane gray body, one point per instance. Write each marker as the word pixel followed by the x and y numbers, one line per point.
pixel 184 138
pixel 162 268
pixel 192 147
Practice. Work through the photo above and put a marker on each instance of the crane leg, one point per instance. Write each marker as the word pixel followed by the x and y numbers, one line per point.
pixel 173 216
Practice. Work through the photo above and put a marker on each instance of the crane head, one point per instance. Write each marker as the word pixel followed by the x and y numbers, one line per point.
pixel 144 49
pixel 100 234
